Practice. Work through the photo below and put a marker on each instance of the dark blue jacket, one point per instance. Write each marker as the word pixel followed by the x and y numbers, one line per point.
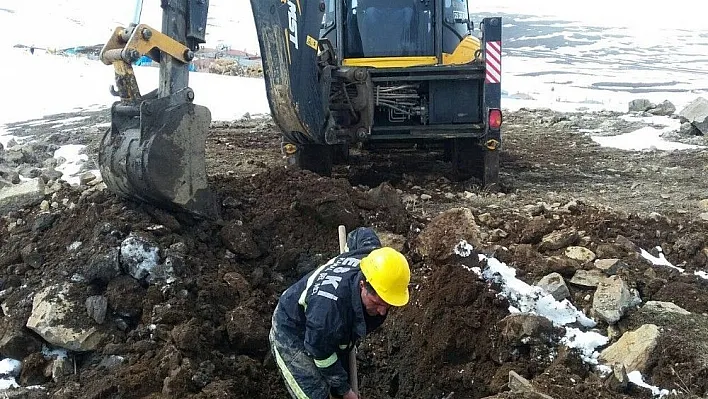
pixel 324 311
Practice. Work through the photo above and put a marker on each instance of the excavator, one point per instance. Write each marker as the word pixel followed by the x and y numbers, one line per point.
pixel 382 74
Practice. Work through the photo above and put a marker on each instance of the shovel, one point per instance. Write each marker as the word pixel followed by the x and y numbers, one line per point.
pixel 353 376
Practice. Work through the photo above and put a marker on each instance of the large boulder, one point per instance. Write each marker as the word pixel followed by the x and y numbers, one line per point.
pixel 27 193
pixel 640 105
pixel 555 285
pixel 665 108
pixel 697 114
pixel 633 349
pixel 612 299
pixel 63 322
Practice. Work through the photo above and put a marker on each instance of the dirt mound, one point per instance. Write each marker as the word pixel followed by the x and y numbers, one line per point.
pixel 200 330
pixel 432 347
pixel 206 331
pixel 183 305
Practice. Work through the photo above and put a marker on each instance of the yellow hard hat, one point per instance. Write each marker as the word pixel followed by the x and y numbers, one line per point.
pixel 388 273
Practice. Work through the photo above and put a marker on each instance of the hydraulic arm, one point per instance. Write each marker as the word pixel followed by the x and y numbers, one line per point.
pixel 155 149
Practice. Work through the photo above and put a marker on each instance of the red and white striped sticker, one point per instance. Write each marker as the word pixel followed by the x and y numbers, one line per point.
pixel 493 62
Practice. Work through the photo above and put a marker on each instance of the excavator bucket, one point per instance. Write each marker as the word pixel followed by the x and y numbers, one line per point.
pixel 155 152
pixel 287 34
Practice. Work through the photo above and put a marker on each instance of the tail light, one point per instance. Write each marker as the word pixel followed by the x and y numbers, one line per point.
pixel 495 118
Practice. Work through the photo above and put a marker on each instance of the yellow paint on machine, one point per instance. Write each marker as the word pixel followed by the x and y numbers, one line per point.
pixel 390 62
pixel 311 42
pixel 463 54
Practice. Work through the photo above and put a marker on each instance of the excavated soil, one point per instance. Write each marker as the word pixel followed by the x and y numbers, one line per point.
pixel 205 335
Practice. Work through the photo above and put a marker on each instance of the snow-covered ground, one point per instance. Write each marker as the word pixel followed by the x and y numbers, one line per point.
pixel 558 55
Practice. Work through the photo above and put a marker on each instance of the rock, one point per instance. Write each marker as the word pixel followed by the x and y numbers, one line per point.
pixel 534 231
pixel 536 209
pixel 559 239
pixel 26 393
pixel 96 307
pixel 555 285
pixel 626 244
pixel 562 265
pixel 486 219
pixel 665 108
pixel 587 278
pixel 516 328
pixel 28 193
pixel 44 221
pixel 640 105
pixel 61 367
pixel 86 178
pixel 612 299
pixel 138 256
pixel 609 266
pixel 609 251
pixel 618 380
pixel 16 342
pixel 102 267
pixel 687 129
pixel 385 196
pixel 664 307
pixel 62 322
pixel 31 256
pixel 445 231
pixel 697 114
pixel 395 241
pixel 634 349
pixel 238 238
pixel 520 385
pixel 425 197
pixel 581 254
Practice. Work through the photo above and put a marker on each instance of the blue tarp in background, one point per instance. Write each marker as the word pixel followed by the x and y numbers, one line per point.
pixel 145 60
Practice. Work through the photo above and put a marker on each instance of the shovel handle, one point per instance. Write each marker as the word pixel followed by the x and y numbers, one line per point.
pixel 353 375
pixel 342 238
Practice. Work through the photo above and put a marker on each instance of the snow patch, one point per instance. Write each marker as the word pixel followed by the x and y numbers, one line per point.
pixel 524 298
pixel 636 378
pixel 73 160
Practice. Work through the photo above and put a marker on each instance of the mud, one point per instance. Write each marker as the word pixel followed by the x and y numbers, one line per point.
pixel 205 334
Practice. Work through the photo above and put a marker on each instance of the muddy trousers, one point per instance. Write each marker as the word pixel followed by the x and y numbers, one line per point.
pixel 299 371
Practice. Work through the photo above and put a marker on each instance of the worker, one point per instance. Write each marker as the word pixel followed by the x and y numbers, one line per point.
pixel 320 319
